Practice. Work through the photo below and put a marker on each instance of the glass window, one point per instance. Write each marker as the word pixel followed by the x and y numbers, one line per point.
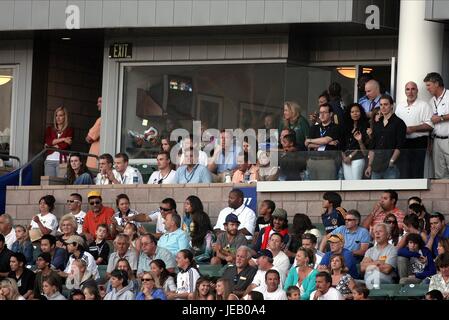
pixel 6 86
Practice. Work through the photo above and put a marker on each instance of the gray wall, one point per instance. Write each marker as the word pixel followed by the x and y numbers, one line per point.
pixel 437 9
pixel 50 14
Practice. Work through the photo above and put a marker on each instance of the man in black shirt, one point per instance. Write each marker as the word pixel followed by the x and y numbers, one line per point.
pixel 323 142
pixel 242 274
pixel 5 254
pixel 388 138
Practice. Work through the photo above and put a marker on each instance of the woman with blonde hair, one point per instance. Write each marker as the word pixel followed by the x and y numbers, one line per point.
pixel 151 288
pixel 9 290
pixel 223 290
pixel 58 136
pixel 68 227
pixel 293 120
pixel 202 290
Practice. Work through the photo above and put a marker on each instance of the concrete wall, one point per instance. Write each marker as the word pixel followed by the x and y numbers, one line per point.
pixel 22 202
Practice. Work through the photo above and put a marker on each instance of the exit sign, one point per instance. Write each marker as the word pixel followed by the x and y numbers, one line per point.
pixel 121 51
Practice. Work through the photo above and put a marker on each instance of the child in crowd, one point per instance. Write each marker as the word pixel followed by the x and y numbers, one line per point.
pixel 98 248
pixel 131 231
pixel 293 293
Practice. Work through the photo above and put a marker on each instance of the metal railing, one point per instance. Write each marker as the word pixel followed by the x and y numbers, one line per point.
pixel 43 151
pixel 4 154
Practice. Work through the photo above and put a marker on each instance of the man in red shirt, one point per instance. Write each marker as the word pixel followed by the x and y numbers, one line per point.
pixel 98 214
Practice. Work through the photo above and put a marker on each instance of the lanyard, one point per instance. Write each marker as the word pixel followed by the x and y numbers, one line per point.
pixel 323 131
pixel 191 174
pixel 436 105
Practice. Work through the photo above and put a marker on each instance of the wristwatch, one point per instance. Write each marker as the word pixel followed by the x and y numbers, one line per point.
pixel 442 118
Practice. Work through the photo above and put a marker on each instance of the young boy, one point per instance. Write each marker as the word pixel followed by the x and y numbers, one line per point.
pixel 360 292
pixel 265 211
pixel 98 248
pixel 293 293
pixel 333 216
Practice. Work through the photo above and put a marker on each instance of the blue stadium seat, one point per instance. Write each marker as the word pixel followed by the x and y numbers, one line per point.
pixel 413 290
pixel 149 227
pixel 385 291
pixel 210 270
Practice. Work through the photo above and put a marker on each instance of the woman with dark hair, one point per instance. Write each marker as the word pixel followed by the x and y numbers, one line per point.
pixel 77 171
pixel 443 246
pixel 123 265
pixel 202 237
pixel 441 279
pixel 123 211
pixel 91 292
pixel 395 232
pixel 223 290
pixel 45 221
pixel 186 278
pixel 23 276
pixel 165 278
pixel 355 139
pixel 303 275
pixel 301 225
pixel 341 279
pixel 202 290
pixel 192 205
pixel 279 224
pixel 420 211
pixel 50 287
pixel 121 289
pixel 410 225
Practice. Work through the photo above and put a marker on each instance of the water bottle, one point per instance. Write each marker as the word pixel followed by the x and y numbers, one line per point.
pixel 228 177
pixel 246 176
pixel 135 178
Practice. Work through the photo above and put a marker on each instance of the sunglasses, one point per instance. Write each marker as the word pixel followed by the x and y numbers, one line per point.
pixel 72 201
pixel 164 209
pixel 147 279
pixel 92 203
pixel 390 221
pixel 350 219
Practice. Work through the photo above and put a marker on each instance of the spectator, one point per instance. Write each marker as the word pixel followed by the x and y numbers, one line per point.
pixel 411 225
pixel 187 277
pixel 77 294
pixel 21 274
pixel 45 221
pixel 168 205
pixel 77 171
pixel 241 274
pixel 9 290
pixel 121 289
pixel 323 142
pixel 79 275
pixel 341 279
pixel 43 263
pixel 324 289
pixel 361 81
pixel 5 255
pixel 375 117
pixel 295 121
pixel 293 293
pixel 360 292
pixel 372 90
pixel 254 295
pixel 191 171
pixel 105 166
pixel 202 238
pixel 440 281
pixel 123 172
pixel 98 248
pixel 434 295
pixel 443 246
pixel 228 242
pixel 50 288
pixel 380 261
pixel 420 211
pixel 388 140
pixel 265 216
pixel 438 230
pixel 301 226
pixel 74 203
pixel 98 214
pixel 336 103
pixel 123 210
pixel 246 172
pixel 58 255
pixel 7 230
pixel 151 288
pixel 68 228
pixel 202 290
pixel 357 239
pixel 93 138
pixel 264 263
pixel 166 144
pixel 395 232
pixel 337 242
pixel 223 290
pixel 123 265
pixel 121 246
pixel 333 216
pixel 133 234
pixel 355 142
pixel 165 174
pixel 76 246
pixel 280 259
pixel 292 162
pixel 58 136
pixel 439 104
pixel 387 204
pixel 23 244
pixel 189 143
pixel 174 239
pixel 246 215
pixel 279 225
pixel 323 98
pixel 415 261
pixel 272 289
pixel 309 241
pixel 224 157
pixel 303 275
pixel 192 206
pixel 161 273
pixel 91 293
pixel 267 170
pixel 151 251
pixel 417 116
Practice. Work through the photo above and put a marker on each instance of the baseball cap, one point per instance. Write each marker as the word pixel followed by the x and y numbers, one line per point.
pixel 35 234
pixel 338 237
pixel 232 218
pixel 94 193
pixel 76 239
pixel 279 213
pixel 46 256
pixel 265 253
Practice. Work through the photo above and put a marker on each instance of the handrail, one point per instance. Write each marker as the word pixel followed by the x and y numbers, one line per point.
pixel 4 154
pixel 37 156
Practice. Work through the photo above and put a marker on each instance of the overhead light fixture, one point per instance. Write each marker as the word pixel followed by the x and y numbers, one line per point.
pixel 349 72
pixel 4 79
pixel 66 38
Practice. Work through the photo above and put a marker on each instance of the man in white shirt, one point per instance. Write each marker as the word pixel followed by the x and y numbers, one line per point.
pixel 264 263
pixel 165 174
pixel 186 144
pixel 246 215
pixel 105 166
pixel 74 203
pixel 124 173
pixel 280 260
pixel 324 289
pixel 272 289
pixel 440 107
pixel 416 114
pixel 6 229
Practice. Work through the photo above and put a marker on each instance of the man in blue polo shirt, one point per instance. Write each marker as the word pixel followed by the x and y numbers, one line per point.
pixel 192 171
pixel 336 242
pixel 438 230
pixel 175 239
pixel 357 238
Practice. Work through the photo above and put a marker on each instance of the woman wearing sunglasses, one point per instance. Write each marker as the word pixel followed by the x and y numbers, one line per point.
pixel 151 288
pixel 395 232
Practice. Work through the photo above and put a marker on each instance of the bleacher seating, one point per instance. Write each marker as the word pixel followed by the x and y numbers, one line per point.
pixel 213 271
pixel 149 227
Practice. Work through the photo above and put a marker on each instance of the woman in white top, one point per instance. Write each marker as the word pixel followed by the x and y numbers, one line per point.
pixel 165 279
pixel 9 290
pixel 50 289
pixel 45 221
pixel 123 210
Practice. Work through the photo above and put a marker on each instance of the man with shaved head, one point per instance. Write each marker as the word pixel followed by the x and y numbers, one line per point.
pixel 372 90
pixel 417 116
